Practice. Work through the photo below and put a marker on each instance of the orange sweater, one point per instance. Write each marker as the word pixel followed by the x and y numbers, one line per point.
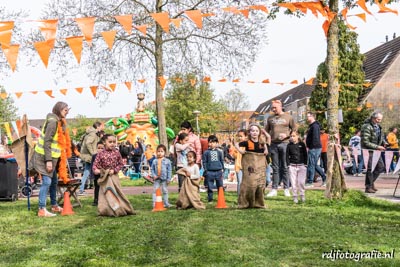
pixel 392 140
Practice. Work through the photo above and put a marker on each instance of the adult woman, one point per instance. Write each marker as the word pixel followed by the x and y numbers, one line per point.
pixel 52 150
pixel 186 127
pixel 136 156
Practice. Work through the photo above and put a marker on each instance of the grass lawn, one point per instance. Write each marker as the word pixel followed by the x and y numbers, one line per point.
pixel 285 234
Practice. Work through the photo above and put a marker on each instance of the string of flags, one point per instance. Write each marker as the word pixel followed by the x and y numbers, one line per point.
pixel 376 154
pixel 48 28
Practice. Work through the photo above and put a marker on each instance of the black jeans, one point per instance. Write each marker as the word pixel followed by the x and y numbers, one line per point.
pixel 371 177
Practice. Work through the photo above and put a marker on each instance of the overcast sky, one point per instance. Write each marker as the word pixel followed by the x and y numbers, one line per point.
pixel 294 49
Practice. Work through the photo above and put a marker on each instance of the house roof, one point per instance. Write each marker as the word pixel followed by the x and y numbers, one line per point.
pixel 297 93
pixel 376 63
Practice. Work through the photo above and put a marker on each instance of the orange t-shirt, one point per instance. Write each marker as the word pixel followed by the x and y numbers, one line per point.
pixel 324 142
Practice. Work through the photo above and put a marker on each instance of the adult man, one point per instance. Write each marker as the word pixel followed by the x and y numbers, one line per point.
pixel 372 138
pixel 313 143
pixel 279 126
pixel 88 149
pixel 324 151
pixel 355 145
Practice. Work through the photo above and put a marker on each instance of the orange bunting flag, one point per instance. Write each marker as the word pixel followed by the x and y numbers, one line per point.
pixel 193 82
pixel 244 12
pixel 48 28
pixel 259 7
pixel 11 53
pixel 310 81
pixel 232 9
pixel 142 80
pixel 177 22
pixel 64 91
pixel 300 6
pixel 289 6
pixel 162 19
pixel 178 80
pixel 207 79
pixel 368 84
pixel 236 80
pixel 294 82
pixel 325 27
pixel 75 43
pixel 109 37
pixel 344 13
pixel 87 27
pixel 49 93
pixel 3 95
pixel 368 105
pixel 266 81
pixel 34 92
pixel 79 89
pixel 196 17
pixel 44 49
pixel 222 80
pixel 93 89
pixel 6 28
pixel 362 4
pixel 390 106
pixel 128 85
pixel 112 86
pixel 384 9
pixel 142 29
pixel 126 22
pixel 162 81
pixel 361 16
pixel 323 85
pixel 18 94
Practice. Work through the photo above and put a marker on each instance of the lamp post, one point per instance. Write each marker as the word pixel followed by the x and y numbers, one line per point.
pixel 197 113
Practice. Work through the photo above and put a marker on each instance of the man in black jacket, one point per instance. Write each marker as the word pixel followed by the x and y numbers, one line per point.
pixel 313 142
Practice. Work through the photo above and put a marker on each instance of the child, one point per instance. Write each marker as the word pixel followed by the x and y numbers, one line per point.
pixel 253 144
pixel 149 153
pixel 161 170
pixel 112 201
pixel 213 164
pixel 241 136
pixel 182 147
pixel 189 195
pixel 100 147
pixel 296 158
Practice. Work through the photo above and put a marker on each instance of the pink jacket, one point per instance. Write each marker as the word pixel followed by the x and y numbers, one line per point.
pixel 195 140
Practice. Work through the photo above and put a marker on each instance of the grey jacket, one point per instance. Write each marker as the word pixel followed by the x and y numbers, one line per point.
pixel 89 146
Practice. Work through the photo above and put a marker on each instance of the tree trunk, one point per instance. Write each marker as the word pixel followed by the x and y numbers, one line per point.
pixel 162 134
pixel 335 186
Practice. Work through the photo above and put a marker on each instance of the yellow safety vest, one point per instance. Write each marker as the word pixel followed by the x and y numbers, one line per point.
pixel 55 146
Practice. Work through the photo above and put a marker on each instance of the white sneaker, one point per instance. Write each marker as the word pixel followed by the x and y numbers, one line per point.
pixel 286 192
pixel 272 193
pixel 295 200
pixel 202 190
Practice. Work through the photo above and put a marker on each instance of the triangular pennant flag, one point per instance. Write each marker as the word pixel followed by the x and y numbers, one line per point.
pixel 259 7
pixel 142 29
pixel 388 160
pixel 196 17
pixel 63 91
pixel 245 13
pixel 162 19
pixel 310 81
pixel 266 81
pixel 325 27
pixel 289 6
pixel 362 4
pixel 75 43
pixel 15 128
pixel 93 89
pixel 128 85
pixel 177 22
pixel 142 80
pixel 361 16
pixel 3 95
pixel 365 154
pixel 6 28
pixel 49 93
pixel 11 53
pixel 193 82
pixel 44 49
pixel 397 167
pixel 236 80
pixel 294 82
pixel 112 86
pixel 18 94
pixel 375 158
pixel 126 22
pixel 48 28
pixel 222 80
pixel 34 92
pixel 87 27
pixel 79 89
pixel 162 81
pixel 109 37
pixel 207 79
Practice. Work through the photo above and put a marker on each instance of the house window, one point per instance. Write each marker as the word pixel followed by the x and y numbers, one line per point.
pixel 301 115
pixel 386 57
pixel 287 99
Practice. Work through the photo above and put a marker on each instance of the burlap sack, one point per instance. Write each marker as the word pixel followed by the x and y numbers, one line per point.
pixel 189 196
pixel 251 193
pixel 112 201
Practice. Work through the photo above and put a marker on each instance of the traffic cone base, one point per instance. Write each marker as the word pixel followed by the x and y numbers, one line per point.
pixel 67 207
pixel 158 205
pixel 221 204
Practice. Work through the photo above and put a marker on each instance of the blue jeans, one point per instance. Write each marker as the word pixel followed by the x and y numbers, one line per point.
pixel 163 184
pixel 358 169
pixel 312 165
pixel 48 183
pixel 211 177
pixel 279 166
pixel 239 177
pixel 268 172
pixel 86 173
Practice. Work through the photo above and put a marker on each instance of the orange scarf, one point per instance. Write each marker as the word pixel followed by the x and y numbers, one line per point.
pixel 65 143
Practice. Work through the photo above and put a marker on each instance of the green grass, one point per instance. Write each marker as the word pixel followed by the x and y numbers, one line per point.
pixel 285 234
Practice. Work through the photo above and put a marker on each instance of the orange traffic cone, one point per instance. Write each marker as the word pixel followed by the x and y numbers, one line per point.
pixel 221 199
pixel 158 206
pixel 67 208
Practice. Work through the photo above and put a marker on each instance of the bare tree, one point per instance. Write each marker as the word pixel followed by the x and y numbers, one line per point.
pixel 235 101
pixel 228 42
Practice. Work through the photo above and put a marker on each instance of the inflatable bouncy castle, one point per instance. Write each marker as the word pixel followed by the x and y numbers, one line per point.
pixel 140 124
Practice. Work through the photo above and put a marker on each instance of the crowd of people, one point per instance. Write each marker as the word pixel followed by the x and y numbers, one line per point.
pixel 278 146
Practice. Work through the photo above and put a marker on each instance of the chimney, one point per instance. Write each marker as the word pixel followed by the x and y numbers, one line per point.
pixel 387 38
pixel 394 35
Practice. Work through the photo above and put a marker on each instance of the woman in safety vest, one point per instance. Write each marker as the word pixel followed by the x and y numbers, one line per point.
pixel 53 144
